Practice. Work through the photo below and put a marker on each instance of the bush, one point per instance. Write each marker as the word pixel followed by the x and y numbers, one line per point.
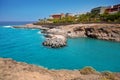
pixel 87 70
pixel 109 75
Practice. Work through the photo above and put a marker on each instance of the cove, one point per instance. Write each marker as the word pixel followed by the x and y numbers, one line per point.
pixel 25 45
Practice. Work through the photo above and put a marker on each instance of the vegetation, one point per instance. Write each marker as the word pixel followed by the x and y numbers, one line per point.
pixel 88 70
pixel 68 19
pixel 109 76
pixel 84 18
pixel 110 17
pixel 92 17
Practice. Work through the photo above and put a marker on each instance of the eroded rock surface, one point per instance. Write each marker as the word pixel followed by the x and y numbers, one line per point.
pixel 105 32
pixel 55 41
pixel 99 31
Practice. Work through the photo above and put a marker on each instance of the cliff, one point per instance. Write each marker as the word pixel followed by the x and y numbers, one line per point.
pixel 99 31
pixel 12 70
pixel 110 32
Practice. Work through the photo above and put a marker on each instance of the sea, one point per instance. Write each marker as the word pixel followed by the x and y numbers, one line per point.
pixel 25 45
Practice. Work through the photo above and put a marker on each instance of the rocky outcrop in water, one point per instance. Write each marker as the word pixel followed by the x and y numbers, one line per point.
pixel 12 70
pixel 55 41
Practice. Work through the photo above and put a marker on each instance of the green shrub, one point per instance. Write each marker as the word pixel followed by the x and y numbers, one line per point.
pixel 109 75
pixel 87 70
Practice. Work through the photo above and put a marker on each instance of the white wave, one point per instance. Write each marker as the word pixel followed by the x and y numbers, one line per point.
pixel 32 29
pixel 39 32
pixel 7 26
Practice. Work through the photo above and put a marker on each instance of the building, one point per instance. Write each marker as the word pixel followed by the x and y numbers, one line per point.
pixel 113 9
pixel 58 16
pixel 69 15
pixel 98 10
pixel 109 9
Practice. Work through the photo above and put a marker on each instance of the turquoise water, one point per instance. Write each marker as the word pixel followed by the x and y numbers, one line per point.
pixel 25 45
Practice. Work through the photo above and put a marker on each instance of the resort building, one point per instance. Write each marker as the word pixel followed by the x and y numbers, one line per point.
pixel 98 10
pixel 109 9
pixel 69 15
pixel 113 9
pixel 58 16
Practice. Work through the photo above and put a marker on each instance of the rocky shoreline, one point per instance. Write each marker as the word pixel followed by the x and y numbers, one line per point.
pixel 56 36
pixel 12 70
pixel 109 32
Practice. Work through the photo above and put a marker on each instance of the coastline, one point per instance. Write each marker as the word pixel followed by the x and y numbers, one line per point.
pixel 61 40
pixel 56 36
pixel 12 70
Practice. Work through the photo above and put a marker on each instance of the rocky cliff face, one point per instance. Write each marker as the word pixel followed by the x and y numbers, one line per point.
pixel 104 32
pixel 77 32
pixel 12 70
pixel 99 31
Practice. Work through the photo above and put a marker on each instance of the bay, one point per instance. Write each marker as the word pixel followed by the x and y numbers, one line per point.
pixel 25 45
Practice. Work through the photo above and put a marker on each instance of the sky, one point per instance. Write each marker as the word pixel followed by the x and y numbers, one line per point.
pixel 32 10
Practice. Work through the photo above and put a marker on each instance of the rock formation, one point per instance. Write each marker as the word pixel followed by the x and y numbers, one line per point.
pixel 59 34
pixel 106 32
pixel 77 32
pixel 99 31
pixel 55 41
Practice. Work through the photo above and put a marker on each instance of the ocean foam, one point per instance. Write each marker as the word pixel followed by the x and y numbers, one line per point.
pixel 39 32
pixel 7 26
pixel 32 29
